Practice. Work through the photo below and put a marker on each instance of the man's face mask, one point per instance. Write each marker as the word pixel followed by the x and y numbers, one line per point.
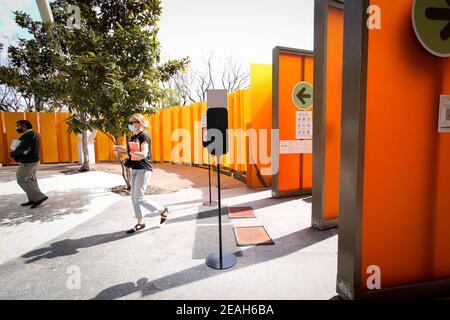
pixel 19 129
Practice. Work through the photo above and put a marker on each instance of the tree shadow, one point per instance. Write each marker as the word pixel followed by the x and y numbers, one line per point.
pixel 9 174
pixel 286 245
pixel 70 247
pixel 58 205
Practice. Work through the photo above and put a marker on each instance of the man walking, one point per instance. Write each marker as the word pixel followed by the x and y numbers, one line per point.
pixel 27 153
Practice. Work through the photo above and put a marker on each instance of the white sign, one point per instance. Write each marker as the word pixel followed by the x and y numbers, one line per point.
pixel 14 144
pixel 304 146
pixel 304 125
pixel 295 146
pixel 204 123
pixel 217 99
pixel 444 114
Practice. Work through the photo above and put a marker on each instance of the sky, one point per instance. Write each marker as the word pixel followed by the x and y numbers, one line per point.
pixel 247 30
pixel 8 28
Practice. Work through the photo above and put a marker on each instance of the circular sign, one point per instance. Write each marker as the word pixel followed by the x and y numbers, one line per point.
pixel 431 22
pixel 302 95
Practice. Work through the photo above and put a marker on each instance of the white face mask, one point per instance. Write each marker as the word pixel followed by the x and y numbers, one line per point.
pixel 132 127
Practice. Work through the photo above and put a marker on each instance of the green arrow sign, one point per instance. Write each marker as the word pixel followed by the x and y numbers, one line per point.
pixel 431 21
pixel 302 95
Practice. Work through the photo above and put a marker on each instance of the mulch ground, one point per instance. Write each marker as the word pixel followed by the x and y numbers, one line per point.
pixel 151 190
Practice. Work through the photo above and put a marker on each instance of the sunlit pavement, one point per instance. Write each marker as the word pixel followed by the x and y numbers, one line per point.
pixel 75 247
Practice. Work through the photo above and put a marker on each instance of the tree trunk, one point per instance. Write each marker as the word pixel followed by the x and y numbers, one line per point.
pixel 126 174
pixel 84 142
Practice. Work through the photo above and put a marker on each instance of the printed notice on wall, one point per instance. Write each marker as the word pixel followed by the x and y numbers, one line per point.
pixel 204 123
pixel 295 146
pixel 444 114
pixel 304 125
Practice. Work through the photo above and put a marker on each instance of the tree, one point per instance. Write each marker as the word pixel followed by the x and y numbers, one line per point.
pixel 33 65
pixel 192 86
pixel 234 76
pixel 113 68
pixel 104 64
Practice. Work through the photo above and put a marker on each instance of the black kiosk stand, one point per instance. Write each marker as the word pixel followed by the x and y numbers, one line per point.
pixel 209 203
pixel 217 144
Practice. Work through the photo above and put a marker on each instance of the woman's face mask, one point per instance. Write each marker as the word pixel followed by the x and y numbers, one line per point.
pixel 132 127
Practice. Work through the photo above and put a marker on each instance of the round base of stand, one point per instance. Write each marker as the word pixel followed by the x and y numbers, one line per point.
pixel 210 204
pixel 228 260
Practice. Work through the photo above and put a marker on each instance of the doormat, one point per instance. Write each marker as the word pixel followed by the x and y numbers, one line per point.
pixel 252 236
pixel 241 212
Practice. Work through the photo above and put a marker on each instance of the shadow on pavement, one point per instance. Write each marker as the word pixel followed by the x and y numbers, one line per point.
pixel 71 246
pixel 58 205
pixel 284 246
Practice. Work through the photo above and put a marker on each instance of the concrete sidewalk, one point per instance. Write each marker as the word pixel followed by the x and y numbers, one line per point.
pixel 45 251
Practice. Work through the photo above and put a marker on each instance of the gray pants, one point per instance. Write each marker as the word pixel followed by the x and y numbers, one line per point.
pixel 139 183
pixel 26 178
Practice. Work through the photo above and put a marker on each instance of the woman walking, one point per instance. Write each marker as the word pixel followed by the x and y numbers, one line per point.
pixel 140 162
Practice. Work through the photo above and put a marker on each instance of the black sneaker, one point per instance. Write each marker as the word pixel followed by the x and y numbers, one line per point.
pixel 37 203
pixel 26 204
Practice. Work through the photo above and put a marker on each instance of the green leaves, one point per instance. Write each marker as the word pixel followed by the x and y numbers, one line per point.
pixel 104 71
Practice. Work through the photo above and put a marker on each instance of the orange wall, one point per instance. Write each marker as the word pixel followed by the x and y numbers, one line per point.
pixel 49 137
pixel 295 170
pixel 58 145
pixel 335 45
pixel 406 204
pixel 261 118
pixel 4 149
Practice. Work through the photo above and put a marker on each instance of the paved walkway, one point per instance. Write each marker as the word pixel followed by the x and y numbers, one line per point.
pixel 80 231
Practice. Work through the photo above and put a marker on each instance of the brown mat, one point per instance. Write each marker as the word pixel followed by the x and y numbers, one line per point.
pixel 252 236
pixel 241 212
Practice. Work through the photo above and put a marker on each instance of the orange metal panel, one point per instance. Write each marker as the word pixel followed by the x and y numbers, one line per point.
pixel 175 117
pixel 10 119
pixel 49 137
pixel 333 112
pixel 307 158
pixel 156 134
pixel 74 147
pixel 405 199
pixel 167 134
pixel 205 151
pixel 63 137
pixel 197 134
pixel 259 173
pixel 289 170
pixel 104 147
pixel 4 148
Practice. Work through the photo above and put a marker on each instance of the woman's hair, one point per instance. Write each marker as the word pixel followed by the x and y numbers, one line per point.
pixel 141 119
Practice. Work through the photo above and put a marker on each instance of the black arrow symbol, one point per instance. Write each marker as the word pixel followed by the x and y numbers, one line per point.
pixel 441 14
pixel 302 96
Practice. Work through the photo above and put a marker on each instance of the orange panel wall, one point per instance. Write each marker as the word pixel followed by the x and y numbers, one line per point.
pixel 4 149
pixel 261 119
pixel 335 44
pixel 63 137
pixel 307 158
pixel 104 147
pixel 166 134
pixel 289 170
pixel 49 137
pixel 441 223
pixel 10 119
pixel 406 200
